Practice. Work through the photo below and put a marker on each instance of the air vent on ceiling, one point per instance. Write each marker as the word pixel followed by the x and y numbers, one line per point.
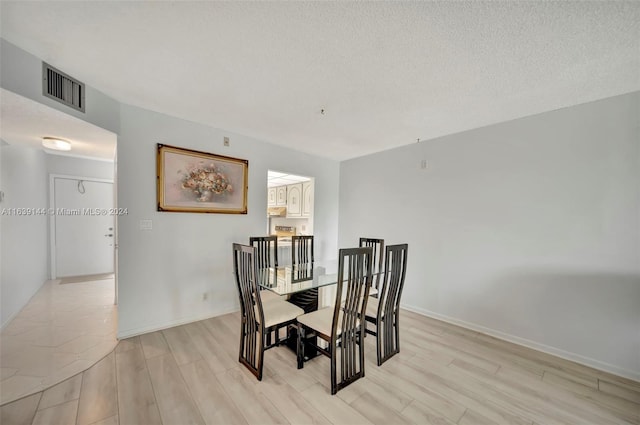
pixel 61 87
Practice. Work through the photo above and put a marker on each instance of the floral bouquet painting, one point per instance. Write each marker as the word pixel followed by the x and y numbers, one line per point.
pixel 193 181
pixel 205 181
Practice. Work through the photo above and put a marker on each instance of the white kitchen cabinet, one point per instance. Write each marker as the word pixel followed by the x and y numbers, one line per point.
pixel 271 197
pixel 281 196
pixel 307 199
pixel 294 200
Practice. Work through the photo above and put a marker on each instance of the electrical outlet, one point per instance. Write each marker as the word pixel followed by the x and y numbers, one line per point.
pixel 226 141
pixel 423 164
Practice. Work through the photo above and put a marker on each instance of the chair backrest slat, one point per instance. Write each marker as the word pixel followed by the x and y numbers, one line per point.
pixel 266 256
pixel 267 250
pixel 354 283
pixel 395 271
pixel 377 246
pixel 301 250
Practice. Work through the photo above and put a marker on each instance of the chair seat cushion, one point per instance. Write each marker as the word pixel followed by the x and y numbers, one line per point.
pixel 279 312
pixel 372 307
pixel 266 295
pixel 322 320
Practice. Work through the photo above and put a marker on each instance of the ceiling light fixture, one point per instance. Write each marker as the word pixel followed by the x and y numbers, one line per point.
pixel 56 144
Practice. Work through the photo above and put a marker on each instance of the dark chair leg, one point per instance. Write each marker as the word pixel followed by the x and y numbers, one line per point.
pixel 242 337
pixel 333 351
pixel 360 340
pixel 379 342
pixel 260 355
pixel 396 324
pixel 300 348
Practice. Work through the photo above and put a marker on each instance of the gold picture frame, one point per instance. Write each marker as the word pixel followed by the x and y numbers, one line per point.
pixel 200 182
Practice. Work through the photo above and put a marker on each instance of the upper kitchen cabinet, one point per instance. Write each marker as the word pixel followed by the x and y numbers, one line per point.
pixel 281 196
pixel 307 199
pixel 271 197
pixel 294 200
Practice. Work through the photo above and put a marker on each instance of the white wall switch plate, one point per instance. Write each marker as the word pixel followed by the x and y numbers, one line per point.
pixel 146 225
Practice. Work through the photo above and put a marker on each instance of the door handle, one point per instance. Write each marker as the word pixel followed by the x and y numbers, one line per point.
pixel 110 235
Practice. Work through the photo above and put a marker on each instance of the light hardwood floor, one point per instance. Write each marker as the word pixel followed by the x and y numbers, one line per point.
pixel 443 375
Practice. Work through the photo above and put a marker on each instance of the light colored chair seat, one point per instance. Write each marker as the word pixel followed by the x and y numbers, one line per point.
pixel 321 320
pixel 279 312
pixel 266 296
pixel 372 307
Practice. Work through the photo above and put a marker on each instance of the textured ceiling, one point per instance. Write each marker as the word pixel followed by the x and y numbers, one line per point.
pixel 386 73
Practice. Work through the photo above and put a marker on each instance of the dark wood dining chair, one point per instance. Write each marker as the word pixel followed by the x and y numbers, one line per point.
pixel 258 320
pixel 384 312
pixel 342 326
pixel 302 259
pixel 266 256
pixel 301 250
pixel 377 245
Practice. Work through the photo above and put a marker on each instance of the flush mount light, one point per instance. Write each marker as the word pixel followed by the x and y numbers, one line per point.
pixel 56 144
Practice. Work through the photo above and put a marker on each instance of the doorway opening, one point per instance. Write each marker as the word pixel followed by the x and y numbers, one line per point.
pixel 68 324
pixel 289 207
pixel 82 227
pixel 290 202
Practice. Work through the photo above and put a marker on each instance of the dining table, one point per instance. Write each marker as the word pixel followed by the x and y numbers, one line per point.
pixel 300 284
pixel 286 280
pixel 296 280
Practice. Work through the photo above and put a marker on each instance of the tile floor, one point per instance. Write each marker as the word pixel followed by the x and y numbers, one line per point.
pixel 62 331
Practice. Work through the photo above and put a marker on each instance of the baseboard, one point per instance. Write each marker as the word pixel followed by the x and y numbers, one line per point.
pixel 574 357
pixel 128 333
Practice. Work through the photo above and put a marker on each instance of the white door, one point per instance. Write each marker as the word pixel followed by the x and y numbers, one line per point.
pixel 84 227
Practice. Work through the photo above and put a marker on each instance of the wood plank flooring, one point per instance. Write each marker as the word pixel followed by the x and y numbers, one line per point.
pixel 443 375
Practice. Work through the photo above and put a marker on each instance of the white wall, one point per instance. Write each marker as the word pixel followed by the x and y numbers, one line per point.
pixel 59 164
pixel 23 237
pixel 164 272
pixel 21 72
pixel 528 229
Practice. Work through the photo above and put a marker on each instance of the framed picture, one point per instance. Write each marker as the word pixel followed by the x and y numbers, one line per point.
pixel 193 181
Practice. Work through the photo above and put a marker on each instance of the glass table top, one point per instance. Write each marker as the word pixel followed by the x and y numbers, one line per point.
pixel 302 277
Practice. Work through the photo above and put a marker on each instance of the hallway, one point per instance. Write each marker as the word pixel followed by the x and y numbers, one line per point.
pixel 63 330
